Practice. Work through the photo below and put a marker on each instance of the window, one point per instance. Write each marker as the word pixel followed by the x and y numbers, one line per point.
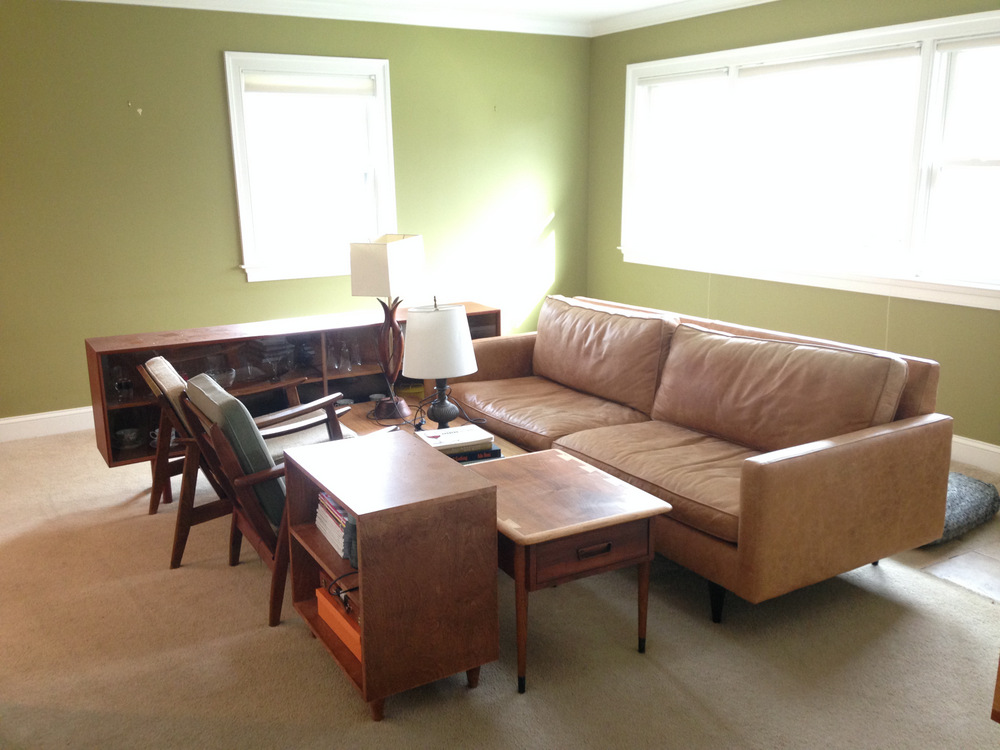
pixel 312 141
pixel 866 161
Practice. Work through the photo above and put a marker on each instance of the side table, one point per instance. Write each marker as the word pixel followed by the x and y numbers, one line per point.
pixel 559 519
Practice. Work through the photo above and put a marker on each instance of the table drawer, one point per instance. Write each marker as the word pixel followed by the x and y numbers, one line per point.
pixel 588 552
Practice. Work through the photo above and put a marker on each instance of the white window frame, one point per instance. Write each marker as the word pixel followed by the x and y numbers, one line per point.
pixel 259 263
pixel 928 35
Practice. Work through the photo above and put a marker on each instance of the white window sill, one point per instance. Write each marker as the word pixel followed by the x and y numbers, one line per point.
pixel 968 295
pixel 285 272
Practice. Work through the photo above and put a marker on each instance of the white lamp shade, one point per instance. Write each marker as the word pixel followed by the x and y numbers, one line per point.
pixel 390 267
pixel 438 343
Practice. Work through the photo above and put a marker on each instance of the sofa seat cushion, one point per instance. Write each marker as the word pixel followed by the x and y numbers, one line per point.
pixel 534 411
pixel 613 354
pixel 770 395
pixel 699 475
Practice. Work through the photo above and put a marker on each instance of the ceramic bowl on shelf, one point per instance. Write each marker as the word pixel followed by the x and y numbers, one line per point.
pixel 224 377
pixel 128 437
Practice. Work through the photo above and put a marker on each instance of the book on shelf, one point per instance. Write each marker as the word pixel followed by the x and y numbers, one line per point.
pixel 332 611
pixel 331 530
pixel 462 439
pixel 334 509
pixel 477 455
pixel 338 527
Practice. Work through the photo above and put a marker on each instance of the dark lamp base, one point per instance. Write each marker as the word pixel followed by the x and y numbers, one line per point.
pixel 441 409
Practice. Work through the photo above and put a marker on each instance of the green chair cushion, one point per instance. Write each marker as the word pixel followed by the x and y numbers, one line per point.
pixel 238 426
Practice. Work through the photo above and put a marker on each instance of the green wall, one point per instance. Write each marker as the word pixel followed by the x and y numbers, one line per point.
pixel 966 341
pixel 114 222
pixel 508 152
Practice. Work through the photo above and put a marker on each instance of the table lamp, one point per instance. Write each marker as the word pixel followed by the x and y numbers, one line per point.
pixel 385 268
pixel 440 347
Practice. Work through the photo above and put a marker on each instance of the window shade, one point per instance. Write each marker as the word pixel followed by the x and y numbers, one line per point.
pixel 282 83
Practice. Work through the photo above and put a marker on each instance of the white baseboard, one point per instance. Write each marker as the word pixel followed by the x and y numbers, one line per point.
pixel 985 456
pixel 46 423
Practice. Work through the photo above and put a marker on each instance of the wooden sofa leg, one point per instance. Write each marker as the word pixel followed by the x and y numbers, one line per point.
pixel 716 596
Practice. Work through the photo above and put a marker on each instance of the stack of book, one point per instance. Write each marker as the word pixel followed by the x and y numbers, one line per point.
pixel 338 527
pixel 275 355
pixel 468 442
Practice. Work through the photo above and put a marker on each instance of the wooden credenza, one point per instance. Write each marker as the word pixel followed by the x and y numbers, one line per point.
pixel 324 353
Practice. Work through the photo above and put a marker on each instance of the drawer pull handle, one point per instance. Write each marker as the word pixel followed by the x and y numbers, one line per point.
pixel 593 551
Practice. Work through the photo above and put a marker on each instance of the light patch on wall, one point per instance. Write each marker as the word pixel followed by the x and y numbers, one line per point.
pixel 506 255
pixel 135 108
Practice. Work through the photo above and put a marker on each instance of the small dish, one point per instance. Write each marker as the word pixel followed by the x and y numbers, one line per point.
pixel 224 377
pixel 128 437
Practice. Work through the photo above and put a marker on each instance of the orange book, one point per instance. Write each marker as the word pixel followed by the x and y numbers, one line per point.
pixel 332 611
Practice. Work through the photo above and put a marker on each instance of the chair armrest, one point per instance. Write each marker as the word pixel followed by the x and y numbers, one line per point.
pixel 817 510
pixel 327 403
pixel 281 423
pixel 290 428
pixel 275 472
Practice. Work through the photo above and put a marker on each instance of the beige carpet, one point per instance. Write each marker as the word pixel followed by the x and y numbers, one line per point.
pixel 102 646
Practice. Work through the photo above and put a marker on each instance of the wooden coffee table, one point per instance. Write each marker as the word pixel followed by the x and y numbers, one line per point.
pixel 559 519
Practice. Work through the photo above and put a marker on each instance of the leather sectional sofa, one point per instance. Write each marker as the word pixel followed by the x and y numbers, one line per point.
pixel 787 460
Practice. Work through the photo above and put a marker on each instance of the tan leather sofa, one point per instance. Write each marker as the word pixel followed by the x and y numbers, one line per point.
pixel 787 460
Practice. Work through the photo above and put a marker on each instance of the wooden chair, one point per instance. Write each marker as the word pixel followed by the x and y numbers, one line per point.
pixel 232 444
pixel 166 385
pixel 168 388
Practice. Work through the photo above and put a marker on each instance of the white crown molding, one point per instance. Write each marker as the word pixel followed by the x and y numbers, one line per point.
pixel 377 13
pixel 456 16
pixel 677 11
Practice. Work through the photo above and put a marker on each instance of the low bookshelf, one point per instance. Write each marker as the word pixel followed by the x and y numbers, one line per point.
pixel 426 562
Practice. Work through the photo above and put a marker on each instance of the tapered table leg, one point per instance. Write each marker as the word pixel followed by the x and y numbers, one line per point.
pixel 521 607
pixel 644 569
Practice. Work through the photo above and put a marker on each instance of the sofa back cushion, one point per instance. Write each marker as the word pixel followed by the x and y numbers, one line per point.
pixel 769 394
pixel 615 355
pixel 922 375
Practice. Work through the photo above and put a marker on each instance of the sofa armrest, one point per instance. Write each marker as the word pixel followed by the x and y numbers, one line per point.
pixel 817 510
pixel 500 357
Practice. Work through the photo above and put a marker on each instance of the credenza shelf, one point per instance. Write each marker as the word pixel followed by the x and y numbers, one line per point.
pixel 310 359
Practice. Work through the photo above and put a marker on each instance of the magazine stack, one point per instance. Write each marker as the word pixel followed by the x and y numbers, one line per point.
pixel 338 526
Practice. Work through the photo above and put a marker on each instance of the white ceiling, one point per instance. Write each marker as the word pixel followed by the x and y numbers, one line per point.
pixel 562 17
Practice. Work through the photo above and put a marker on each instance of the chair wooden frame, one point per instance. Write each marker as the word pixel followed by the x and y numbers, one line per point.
pixel 165 466
pixel 248 518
